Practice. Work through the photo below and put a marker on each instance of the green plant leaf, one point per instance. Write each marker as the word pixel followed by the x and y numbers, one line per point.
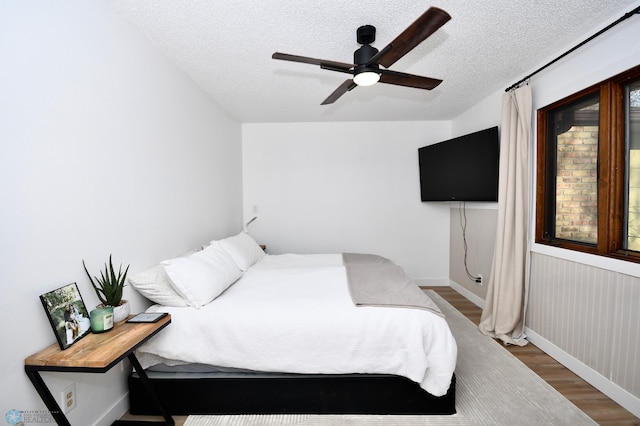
pixel 109 287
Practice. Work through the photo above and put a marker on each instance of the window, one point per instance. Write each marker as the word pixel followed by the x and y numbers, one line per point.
pixel 588 171
pixel 632 195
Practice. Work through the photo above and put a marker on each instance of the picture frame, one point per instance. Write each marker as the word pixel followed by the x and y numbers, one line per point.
pixel 67 314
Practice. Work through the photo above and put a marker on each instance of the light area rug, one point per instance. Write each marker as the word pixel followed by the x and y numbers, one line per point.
pixel 493 388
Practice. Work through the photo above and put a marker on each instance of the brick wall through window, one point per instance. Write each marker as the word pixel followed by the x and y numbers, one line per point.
pixel 577 184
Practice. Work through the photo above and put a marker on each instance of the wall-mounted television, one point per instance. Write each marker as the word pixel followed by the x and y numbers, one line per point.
pixel 461 169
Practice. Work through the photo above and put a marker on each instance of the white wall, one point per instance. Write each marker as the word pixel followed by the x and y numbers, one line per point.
pixel 613 52
pixel 483 115
pixel 340 187
pixel 106 148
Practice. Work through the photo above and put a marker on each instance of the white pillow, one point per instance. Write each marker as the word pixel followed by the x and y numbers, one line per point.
pixel 202 276
pixel 155 285
pixel 243 250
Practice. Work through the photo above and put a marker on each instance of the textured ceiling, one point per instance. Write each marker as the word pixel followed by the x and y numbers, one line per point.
pixel 226 46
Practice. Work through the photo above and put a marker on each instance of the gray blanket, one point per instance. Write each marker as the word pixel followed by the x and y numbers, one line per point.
pixel 376 281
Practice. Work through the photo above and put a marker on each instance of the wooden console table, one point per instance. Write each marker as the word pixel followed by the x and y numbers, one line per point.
pixel 95 353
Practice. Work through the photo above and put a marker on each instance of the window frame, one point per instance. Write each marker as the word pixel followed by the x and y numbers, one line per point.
pixel 611 171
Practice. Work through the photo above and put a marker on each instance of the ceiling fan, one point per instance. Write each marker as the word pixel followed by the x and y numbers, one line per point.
pixel 366 70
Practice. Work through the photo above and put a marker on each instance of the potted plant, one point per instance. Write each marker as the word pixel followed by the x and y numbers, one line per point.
pixel 109 288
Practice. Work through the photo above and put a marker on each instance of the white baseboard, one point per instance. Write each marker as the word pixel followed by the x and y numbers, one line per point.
pixel 621 396
pixel 473 298
pixel 116 412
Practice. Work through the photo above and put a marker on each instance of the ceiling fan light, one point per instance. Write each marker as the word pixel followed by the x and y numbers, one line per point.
pixel 367 78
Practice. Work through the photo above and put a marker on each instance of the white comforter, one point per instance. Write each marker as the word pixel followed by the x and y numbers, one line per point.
pixel 293 313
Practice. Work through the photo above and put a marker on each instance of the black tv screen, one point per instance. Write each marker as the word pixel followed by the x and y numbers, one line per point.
pixel 461 169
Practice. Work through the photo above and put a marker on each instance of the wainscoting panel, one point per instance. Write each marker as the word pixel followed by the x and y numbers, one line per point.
pixel 590 313
pixel 626 344
pixel 480 238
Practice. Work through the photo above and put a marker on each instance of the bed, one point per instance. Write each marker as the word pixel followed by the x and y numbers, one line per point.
pixel 324 333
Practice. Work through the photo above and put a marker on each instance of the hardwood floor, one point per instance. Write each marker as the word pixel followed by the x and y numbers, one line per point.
pixel 584 396
pixel 594 403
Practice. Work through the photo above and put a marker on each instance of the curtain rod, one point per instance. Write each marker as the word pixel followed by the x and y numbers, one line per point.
pixel 623 18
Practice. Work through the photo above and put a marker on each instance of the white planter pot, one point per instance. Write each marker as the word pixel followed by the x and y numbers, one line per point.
pixel 120 313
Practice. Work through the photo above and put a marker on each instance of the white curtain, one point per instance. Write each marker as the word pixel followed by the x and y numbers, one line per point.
pixel 504 312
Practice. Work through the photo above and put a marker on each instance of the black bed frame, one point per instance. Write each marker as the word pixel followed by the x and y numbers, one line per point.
pixel 273 393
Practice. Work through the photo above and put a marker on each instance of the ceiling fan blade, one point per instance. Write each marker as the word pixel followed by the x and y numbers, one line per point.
pixel 408 80
pixel 415 34
pixel 330 65
pixel 345 87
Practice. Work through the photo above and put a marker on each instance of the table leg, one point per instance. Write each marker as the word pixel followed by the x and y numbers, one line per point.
pixel 45 394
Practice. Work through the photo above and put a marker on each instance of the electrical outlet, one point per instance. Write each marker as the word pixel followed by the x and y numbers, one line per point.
pixel 69 398
pixel 479 279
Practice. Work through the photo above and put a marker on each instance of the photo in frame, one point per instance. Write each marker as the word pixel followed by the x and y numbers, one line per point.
pixel 67 314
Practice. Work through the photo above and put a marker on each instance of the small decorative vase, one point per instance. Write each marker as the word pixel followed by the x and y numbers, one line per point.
pixel 101 319
pixel 121 312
